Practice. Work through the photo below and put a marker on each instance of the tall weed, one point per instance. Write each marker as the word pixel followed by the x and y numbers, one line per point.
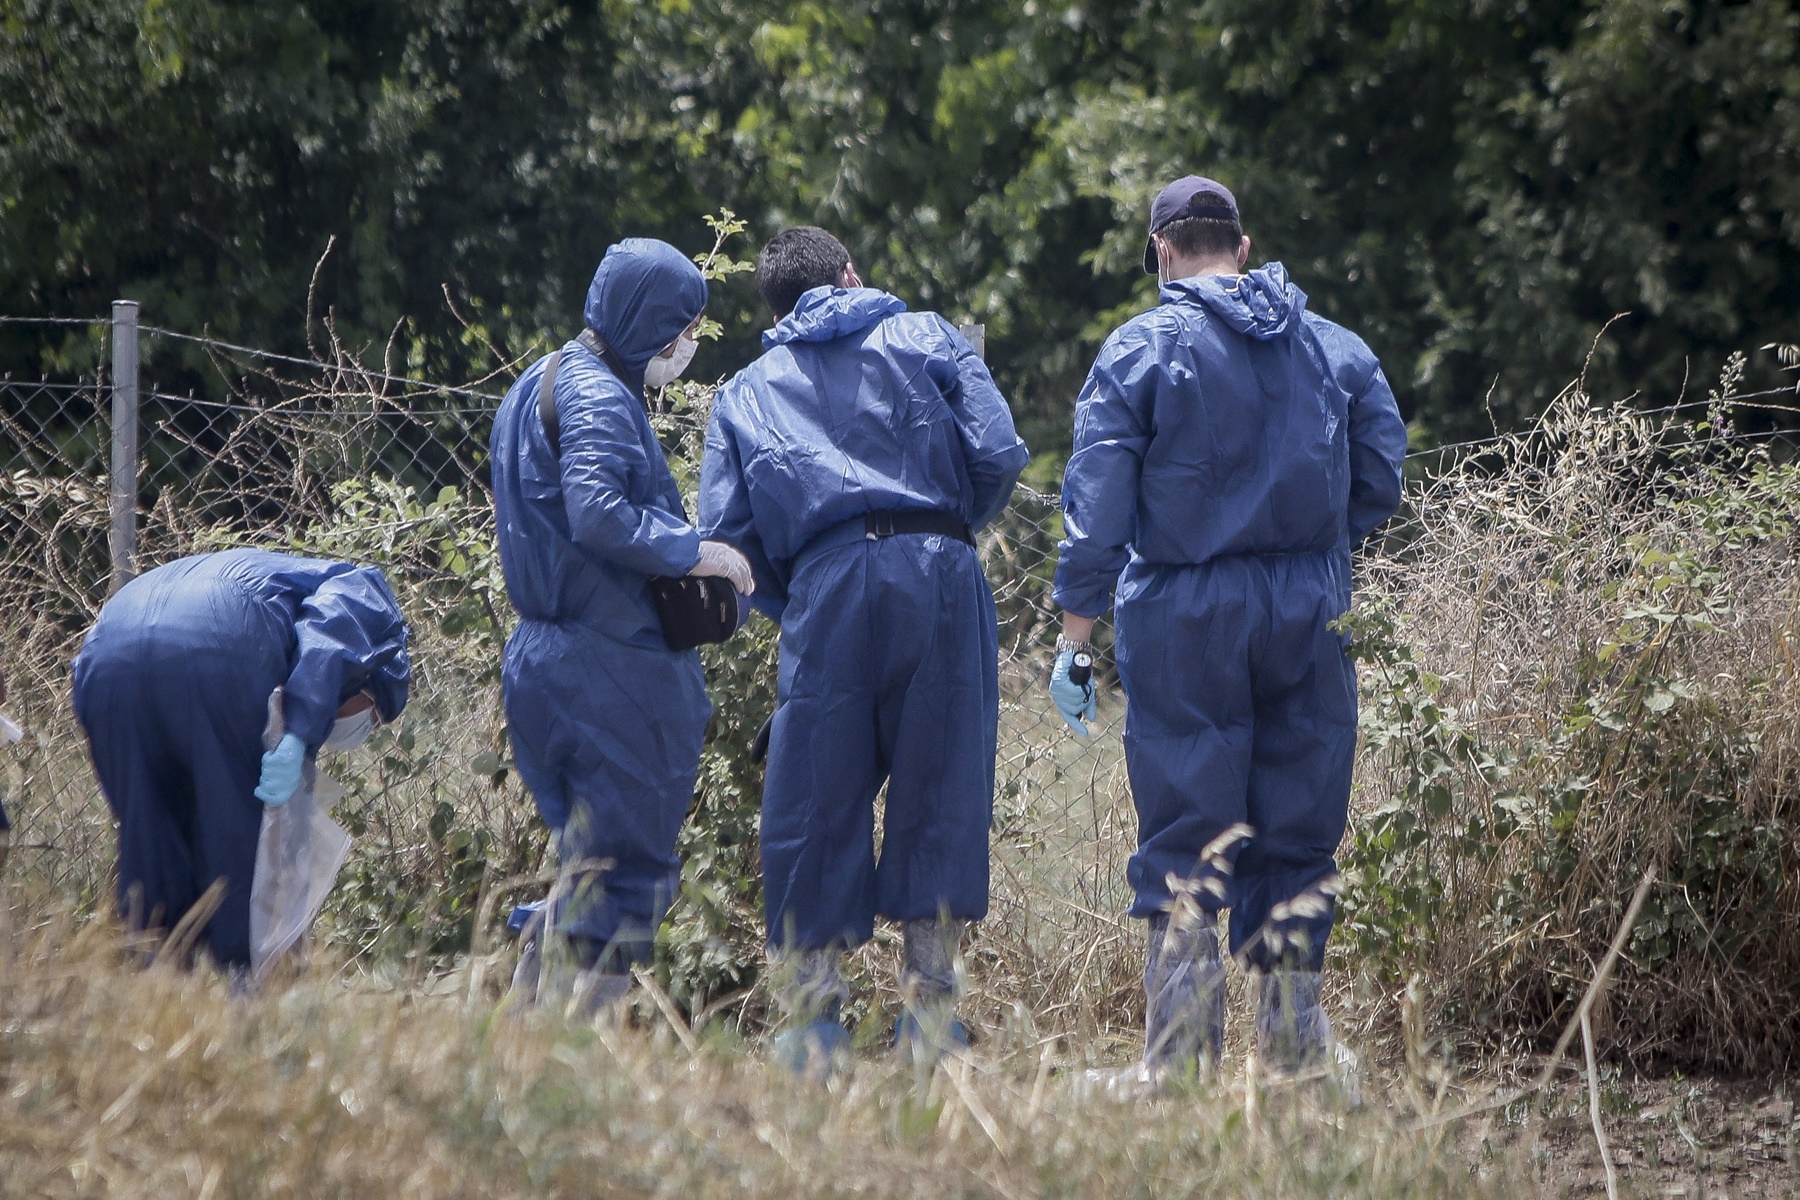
pixel 1578 665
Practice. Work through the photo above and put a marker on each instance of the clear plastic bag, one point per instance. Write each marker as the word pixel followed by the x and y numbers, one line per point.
pixel 9 733
pixel 298 858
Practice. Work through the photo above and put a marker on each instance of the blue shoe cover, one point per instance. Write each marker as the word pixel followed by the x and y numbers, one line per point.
pixel 813 1050
pixel 1184 989
pixel 912 1041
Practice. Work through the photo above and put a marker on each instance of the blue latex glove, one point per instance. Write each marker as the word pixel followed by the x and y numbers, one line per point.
pixel 281 771
pixel 1075 701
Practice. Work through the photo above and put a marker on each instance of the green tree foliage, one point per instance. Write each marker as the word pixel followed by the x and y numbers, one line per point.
pixel 1478 188
pixel 465 164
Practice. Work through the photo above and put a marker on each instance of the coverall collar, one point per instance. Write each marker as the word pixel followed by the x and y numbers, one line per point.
pixel 1262 303
pixel 825 313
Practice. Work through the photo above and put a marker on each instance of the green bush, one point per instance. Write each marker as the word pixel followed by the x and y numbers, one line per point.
pixel 1577 670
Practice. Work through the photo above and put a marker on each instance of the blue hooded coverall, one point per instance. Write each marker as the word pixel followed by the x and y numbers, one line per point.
pixel 889 651
pixel 606 721
pixel 172 688
pixel 1230 449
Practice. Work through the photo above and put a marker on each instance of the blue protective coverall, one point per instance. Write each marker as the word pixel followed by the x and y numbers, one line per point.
pixel 172 688
pixel 889 652
pixel 1230 449
pixel 606 721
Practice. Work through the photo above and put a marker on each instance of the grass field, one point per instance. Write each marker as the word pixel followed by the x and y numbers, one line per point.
pixel 120 1081
pixel 1578 667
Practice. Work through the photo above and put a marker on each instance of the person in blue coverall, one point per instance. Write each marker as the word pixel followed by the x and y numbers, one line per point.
pixel 606 720
pixel 1231 448
pixel 851 463
pixel 172 688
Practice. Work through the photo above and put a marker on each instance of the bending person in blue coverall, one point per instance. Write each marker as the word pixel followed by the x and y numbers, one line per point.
pixel 606 720
pixel 851 463
pixel 1230 450
pixel 172 688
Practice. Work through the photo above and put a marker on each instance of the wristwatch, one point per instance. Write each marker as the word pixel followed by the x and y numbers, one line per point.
pixel 1063 643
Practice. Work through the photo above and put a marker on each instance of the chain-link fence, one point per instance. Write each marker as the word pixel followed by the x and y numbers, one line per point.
pixel 330 458
pixel 325 456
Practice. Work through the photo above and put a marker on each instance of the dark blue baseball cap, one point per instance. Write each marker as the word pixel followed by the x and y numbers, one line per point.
pixel 1189 196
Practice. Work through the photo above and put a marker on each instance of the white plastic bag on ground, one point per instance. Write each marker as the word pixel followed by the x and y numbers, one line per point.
pixel 297 858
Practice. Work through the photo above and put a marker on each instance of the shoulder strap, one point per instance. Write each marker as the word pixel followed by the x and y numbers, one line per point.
pixel 603 350
pixel 547 403
pixel 547 385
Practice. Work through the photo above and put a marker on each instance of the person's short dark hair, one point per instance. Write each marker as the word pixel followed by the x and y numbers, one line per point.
pixel 794 262
pixel 1204 237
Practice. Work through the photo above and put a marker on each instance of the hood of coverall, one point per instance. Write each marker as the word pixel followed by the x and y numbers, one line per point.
pixel 827 313
pixel 644 294
pixel 1263 303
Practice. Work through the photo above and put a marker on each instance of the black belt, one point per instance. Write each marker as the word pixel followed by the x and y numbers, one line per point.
pixel 887 524
pixel 877 525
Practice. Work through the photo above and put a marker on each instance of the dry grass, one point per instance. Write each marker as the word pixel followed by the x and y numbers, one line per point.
pixel 116 1081
pixel 391 1064
pixel 1604 613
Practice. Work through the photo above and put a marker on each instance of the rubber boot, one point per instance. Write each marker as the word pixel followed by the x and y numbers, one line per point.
pixel 928 1029
pixel 1184 992
pixel 1292 1030
pixel 812 994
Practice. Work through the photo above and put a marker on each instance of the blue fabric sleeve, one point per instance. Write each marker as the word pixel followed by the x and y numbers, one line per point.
pixel 725 512
pixel 1100 484
pixel 603 431
pixel 1377 456
pixel 993 452
pixel 350 638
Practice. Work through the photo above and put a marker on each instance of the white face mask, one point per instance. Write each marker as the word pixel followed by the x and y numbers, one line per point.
pixel 663 371
pixel 347 733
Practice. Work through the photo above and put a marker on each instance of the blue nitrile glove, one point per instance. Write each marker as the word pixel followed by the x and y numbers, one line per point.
pixel 281 771
pixel 1074 701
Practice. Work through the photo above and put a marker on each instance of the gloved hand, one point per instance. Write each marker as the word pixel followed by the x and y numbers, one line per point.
pixel 723 560
pixel 1075 701
pixel 281 771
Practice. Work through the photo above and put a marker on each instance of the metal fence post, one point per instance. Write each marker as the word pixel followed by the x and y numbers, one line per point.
pixel 122 540
pixel 977 337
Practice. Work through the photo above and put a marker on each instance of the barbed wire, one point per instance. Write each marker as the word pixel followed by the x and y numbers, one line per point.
pixel 349 368
pixel 49 385
pixel 1727 403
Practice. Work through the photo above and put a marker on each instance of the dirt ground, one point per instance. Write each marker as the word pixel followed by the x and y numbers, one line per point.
pixel 1700 1138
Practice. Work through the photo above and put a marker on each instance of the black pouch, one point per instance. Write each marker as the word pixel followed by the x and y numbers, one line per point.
pixel 694 610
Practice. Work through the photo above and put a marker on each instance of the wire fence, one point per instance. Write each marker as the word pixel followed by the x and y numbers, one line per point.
pixel 332 459
pixel 327 458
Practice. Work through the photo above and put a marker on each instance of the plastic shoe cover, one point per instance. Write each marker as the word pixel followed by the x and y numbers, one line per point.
pixel 810 986
pixel 927 1037
pixel 928 972
pixel 525 976
pixel 815 1050
pixel 1184 990
pixel 1292 1030
pixel 595 994
pixel 579 995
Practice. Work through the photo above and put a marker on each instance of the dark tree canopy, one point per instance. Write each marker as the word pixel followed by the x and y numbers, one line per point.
pixel 1477 188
